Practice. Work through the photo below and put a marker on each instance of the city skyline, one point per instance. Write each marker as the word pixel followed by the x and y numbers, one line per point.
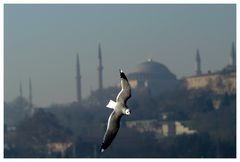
pixel 127 40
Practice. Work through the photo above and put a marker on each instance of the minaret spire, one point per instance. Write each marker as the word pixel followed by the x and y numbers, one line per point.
pixel 21 95
pixel 232 60
pixel 30 93
pixel 78 80
pixel 100 67
pixel 198 63
pixel 20 90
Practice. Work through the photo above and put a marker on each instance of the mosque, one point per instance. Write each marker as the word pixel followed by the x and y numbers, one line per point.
pixel 155 77
pixel 149 75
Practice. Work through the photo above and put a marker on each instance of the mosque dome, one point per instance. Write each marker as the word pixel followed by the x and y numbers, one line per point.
pixel 152 76
pixel 151 69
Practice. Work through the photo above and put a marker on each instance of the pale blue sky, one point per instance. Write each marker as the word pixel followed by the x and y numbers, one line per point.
pixel 41 42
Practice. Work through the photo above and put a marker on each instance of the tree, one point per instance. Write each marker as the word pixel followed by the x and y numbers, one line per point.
pixel 34 133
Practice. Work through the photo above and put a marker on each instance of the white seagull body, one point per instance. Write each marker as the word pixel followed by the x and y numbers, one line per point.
pixel 119 109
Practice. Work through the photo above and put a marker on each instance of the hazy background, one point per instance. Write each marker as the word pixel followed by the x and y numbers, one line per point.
pixel 41 42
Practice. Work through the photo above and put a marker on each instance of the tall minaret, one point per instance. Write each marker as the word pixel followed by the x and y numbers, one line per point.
pixel 100 67
pixel 232 60
pixel 21 95
pixel 198 63
pixel 30 93
pixel 20 90
pixel 78 80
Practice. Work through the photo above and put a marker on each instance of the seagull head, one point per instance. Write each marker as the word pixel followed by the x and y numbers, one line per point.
pixel 127 112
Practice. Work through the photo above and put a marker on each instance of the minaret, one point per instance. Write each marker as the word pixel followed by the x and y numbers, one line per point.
pixel 30 93
pixel 78 80
pixel 232 60
pixel 198 63
pixel 100 67
pixel 21 95
pixel 20 90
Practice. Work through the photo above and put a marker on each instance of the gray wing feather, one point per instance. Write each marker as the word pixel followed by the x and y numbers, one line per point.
pixel 112 129
pixel 125 92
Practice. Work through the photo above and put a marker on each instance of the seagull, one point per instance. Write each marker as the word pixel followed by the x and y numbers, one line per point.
pixel 119 109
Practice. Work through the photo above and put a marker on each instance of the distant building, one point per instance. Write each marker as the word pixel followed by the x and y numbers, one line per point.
pixel 160 128
pixel 58 147
pixel 223 81
pixel 152 76
pixel 217 82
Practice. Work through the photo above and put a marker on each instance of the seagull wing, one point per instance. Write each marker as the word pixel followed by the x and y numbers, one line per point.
pixel 112 129
pixel 125 92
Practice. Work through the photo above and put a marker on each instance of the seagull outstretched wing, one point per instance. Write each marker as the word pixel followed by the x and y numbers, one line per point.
pixel 125 92
pixel 112 129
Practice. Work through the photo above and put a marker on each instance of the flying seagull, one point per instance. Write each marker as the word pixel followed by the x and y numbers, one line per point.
pixel 119 109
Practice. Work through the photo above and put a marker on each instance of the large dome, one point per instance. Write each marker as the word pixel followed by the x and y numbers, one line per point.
pixel 151 69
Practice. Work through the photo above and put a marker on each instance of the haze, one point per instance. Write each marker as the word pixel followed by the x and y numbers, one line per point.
pixel 41 43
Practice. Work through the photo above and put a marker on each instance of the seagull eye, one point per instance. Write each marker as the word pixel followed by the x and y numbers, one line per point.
pixel 127 111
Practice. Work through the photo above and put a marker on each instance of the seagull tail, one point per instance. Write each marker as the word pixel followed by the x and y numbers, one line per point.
pixel 111 104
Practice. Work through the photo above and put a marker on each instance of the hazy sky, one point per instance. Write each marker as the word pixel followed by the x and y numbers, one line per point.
pixel 41 42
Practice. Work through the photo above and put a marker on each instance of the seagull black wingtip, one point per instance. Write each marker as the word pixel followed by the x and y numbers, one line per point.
pixel 122 75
